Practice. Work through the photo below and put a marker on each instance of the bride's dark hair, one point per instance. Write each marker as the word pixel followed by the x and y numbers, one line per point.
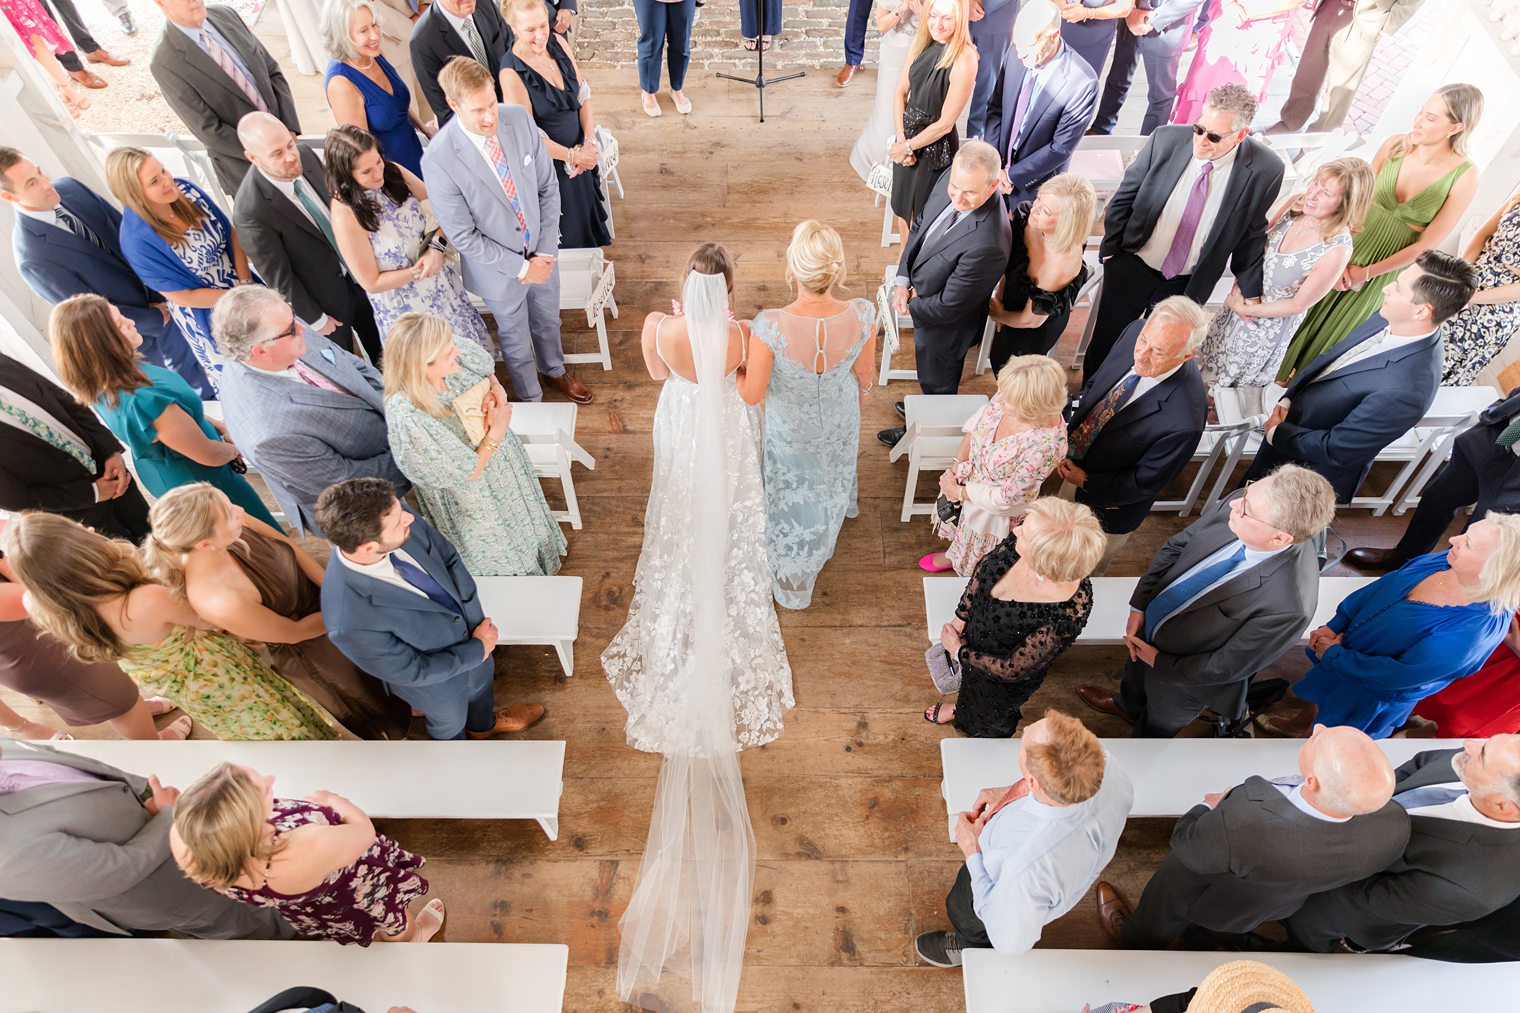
pixel 712 258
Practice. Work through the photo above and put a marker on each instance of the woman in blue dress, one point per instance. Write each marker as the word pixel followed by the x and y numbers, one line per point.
pixel 1411 633
pixel 150 409
pixel 362 87
pixel 177 241
pixel 811 363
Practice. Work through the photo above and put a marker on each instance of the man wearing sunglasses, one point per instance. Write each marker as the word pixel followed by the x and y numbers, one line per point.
pixel 1195 198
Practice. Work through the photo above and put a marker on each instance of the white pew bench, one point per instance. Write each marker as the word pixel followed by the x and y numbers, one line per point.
pixel 490 780
pixel 1170 775
pixel 547 430
pixel 233 976
pixel 931 438
pixel 1061 981
pixel 535 610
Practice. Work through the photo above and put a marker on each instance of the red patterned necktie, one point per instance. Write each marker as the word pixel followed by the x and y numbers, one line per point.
pixel 504 173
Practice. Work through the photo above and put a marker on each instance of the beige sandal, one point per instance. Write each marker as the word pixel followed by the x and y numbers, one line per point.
pixel 435 908
pixel 177 730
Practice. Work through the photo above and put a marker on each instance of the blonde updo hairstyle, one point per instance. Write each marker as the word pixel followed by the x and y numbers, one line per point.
pixel 412 343
pixel 1032 387
pixel 815 258
pixel 1079 202
pixel 221 822
pixel 180 518
pixel 1070 544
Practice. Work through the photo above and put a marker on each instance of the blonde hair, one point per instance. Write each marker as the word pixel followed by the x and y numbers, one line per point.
pixel 1499 580
pixel 959 41
pixel 181 517
pixel 1032 387
pixel 1079 204
pixel 815 256
pixel 1357 179
pixel 1070 763
pixel 415 340
pixel 463 75
pixel 1071 544
pixel 1464 105
pixel 1246 984
pixel 221 820
pixel 511 7
pixel 70 570
pixel 122 168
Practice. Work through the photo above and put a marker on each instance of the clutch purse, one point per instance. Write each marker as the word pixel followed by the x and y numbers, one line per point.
pixel 946 511
pixel 944 669
pixel 469 406
pixel 934 157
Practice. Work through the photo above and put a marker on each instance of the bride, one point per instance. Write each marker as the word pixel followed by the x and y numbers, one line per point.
pixel 699 666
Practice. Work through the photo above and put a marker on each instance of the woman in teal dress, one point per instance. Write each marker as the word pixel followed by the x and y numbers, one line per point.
pixel 150 409
pixel 479 490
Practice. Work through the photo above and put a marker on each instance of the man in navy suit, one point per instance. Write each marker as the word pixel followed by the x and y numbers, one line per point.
pixel 1044 100
pixel 1373 386
pixel 399 603
pixel 1155 32
pixel 991 21
pixel 66 243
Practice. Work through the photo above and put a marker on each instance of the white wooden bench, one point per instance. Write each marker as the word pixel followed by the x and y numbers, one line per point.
pixel 234 976
pixel 547 430
pixel 535 610
pixel 516 779
pixel 1062 981
pixel 1170 775
pixel 931 438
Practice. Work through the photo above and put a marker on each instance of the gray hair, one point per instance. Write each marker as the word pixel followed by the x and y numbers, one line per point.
pixel 1181 310
pixel 1303 502
pixel 337 16
pixel 978 154
pixel 237 322
pixel 1236 100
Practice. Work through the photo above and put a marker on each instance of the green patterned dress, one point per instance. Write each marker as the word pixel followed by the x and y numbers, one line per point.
pixel 223 685
pixel 500 522
pixel 1390 227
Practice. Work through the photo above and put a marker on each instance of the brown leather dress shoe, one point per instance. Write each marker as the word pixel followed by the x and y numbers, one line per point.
pixel 1102 700
pixel 568 386
pixel 846 75
pixel 106 57
pixel 1376 559
pixel 1112 911
pixel 88 79
pixel 512 719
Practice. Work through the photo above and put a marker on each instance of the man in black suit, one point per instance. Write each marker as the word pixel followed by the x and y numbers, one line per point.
pixel 1195 197
pixel 1373 386
pixel 1254 853
pixel 1483 472
pixel 453 28
pixel 213 72
pixel 56 456
pixel 1137 421
pixel 282 218
pixel 1224 598
pixel 1462 861
pixel 956 252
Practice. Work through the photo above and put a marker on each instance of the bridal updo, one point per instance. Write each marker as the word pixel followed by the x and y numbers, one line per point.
pixel 815 258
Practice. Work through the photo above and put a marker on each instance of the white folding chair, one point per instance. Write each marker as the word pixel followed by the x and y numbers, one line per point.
pixel 932 438
pixel 586 282
pixel 891 323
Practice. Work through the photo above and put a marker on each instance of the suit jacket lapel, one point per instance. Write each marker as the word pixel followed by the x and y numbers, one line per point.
pixel 97 224
pixel 1309 373
pixel 1166 177
pixel 282 206
pixel 1378 360
pixel 348 379
pixel 476 165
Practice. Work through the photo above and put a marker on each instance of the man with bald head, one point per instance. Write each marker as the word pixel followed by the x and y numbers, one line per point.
pixel 283 220
pixel 1257 852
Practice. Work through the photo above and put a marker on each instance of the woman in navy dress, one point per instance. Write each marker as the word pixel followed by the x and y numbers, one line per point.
pixel 539 74
pixel 1088 27
pixel 363 88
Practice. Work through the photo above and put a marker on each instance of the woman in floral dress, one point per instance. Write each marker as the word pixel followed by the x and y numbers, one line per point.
pixel 1478 333
pixel 317 861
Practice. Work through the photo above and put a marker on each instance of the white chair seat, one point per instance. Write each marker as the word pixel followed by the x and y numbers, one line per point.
pixel 535 610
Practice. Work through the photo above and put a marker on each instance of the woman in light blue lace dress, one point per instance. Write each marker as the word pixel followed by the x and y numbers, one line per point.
pixel 811 363
pixel 384 235
pixel 479 491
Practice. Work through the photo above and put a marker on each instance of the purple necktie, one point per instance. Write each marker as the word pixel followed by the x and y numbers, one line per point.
pixel 1020 106
pixel 1192 214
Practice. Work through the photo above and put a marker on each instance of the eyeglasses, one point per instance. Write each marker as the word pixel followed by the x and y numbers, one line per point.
pixel 1214 138
pixel 289 332
pixel 1245 511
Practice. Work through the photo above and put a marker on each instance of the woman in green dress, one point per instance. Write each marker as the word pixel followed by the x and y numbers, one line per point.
pixel 95 596
pixel 152 410
pixel 1424 185
pixel 480 492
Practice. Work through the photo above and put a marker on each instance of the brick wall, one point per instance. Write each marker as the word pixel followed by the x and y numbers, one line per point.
pixel 812 35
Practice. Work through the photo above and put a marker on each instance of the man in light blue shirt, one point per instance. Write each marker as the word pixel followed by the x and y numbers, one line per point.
pixel 1035 847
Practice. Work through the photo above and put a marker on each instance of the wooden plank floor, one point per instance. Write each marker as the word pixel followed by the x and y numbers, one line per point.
pixel 852 855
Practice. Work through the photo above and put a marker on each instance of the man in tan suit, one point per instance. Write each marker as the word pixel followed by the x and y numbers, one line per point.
pixel 1336 55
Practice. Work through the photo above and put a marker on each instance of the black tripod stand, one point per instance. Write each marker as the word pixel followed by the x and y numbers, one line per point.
pixel 760 81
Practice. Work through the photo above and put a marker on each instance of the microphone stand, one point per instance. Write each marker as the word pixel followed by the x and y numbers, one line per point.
pixel 760 82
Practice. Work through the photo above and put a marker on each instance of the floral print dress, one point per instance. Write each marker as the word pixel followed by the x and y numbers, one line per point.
pixel 395 242
pixel 1478 333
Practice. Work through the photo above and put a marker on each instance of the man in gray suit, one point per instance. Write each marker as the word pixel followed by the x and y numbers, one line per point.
pixel 93 842
pixel 213 72
pixel 494 191
pixel 1224 598
pixel 306 413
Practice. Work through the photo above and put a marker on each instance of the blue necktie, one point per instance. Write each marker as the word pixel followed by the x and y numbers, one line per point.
pixel 1431 794
pixel 1180 593
pixel 419 578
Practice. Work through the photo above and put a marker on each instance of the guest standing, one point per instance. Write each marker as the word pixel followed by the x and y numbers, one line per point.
pixel 180 243
pixel 363 88
pixel 396 19
pixel 932 92
pixel 759 21
pixel 450 28
pixel 539 74
pixel 1155 33
pixel 95 596
pixel 812 364
pixel 1307 248
pixel 1488 322
pixel 857 18
pixel 44 40
pixel 153 411
pixel 1424 185
pixel 255 583
pixel 390 242
pixel 664 27
pixel 317 861
pixel 1088 27
pixel 1024 606
pixel 896 22
pixel 484 498
pixel 991 22
pixel 1011 446
pixel 1045 272
pixel 1243 43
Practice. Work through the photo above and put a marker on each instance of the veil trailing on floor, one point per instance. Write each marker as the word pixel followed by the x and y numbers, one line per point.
pixel 683 933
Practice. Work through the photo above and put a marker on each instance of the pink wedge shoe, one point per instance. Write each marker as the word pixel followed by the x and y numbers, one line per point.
pixel 927 564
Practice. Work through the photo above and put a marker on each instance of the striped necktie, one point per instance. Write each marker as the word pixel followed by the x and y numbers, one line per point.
pixel 1187 228
pixel 71 222
pixel 1174 596
pixel 504 173
pixel 218 52
pixel 473 40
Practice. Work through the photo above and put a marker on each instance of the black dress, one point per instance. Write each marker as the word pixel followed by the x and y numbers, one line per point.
pixel 557 111
pixel 1019 290
pixel 1008 646
pixel 927 86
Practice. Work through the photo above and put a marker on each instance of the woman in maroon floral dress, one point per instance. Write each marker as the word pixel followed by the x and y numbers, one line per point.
pixel 317 861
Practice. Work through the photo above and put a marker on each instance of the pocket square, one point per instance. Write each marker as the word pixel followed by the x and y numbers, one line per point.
pixel 327 353
pixel 527 160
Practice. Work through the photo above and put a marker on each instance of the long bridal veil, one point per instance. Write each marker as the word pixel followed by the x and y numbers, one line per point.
pixel 683 933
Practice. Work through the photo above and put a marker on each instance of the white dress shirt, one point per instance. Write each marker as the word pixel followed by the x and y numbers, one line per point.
pixel 1295 792
pixel 384 571
pixel 1146 384
pixel 1160 242
pixel 288 188
pixel 1460 809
